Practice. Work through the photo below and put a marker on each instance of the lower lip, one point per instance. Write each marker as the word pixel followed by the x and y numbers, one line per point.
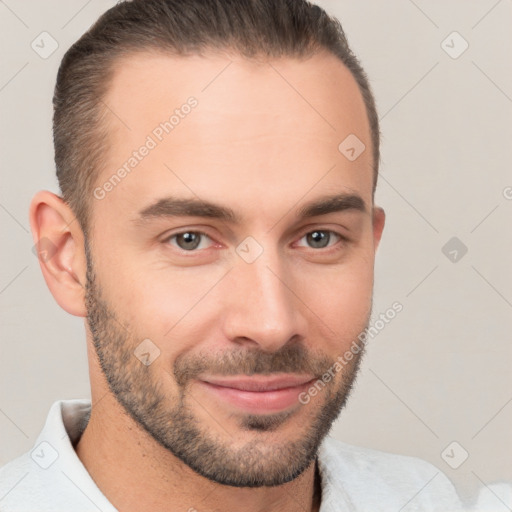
pixel 258 402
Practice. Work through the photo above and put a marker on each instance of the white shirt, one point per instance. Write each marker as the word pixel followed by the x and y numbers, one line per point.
pixel 51 477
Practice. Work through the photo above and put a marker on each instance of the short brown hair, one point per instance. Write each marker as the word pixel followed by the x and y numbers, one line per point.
pixel 250 28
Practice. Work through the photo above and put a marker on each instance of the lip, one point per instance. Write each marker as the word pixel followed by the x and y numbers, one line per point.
pixel 257 394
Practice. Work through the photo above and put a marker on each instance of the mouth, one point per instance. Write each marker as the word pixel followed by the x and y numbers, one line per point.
pixel 257 394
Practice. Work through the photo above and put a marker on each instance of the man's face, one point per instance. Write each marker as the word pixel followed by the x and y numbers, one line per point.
pixel 243 312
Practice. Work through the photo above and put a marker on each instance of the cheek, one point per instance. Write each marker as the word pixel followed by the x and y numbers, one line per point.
pixel 165 304
pixel 340 299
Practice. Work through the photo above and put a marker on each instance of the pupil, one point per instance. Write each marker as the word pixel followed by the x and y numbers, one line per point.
pixel 190 240
pixel 318 239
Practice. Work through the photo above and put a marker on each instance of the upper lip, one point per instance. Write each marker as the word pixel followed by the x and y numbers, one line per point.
pixel 259 382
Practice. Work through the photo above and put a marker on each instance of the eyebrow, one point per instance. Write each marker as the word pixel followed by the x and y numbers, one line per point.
pixel 178 207
pixel 332 204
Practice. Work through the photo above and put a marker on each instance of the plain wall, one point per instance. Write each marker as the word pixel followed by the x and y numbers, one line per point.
pixel 440 370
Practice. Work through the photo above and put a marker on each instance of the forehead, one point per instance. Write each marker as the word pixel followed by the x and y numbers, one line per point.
pixel 255 128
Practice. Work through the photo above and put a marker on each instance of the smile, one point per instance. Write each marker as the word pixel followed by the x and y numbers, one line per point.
pixel 257 394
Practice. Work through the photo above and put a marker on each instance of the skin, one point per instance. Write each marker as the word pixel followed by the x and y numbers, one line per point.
pixel 264 147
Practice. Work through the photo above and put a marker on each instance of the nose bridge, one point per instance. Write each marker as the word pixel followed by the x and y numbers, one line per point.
pixel 262 307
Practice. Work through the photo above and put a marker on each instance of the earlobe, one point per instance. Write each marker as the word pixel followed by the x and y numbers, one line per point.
pixel 59 243
pixel 379 219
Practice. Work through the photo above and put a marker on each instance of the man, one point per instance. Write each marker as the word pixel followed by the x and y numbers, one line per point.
pixel 217 230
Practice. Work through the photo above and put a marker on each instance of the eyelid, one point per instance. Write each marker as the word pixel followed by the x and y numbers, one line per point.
pixel 341 238
pixel 202 232
pixel 167 239
pixel 337 229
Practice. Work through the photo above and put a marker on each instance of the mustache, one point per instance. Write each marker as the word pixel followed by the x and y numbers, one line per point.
pixel 288 359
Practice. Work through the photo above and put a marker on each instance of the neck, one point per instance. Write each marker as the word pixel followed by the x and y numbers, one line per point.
pixel 135 473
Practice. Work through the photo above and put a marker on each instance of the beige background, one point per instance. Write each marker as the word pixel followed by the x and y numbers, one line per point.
pixel 440 371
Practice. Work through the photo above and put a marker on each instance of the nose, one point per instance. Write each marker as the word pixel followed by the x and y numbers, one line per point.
pixel 261 308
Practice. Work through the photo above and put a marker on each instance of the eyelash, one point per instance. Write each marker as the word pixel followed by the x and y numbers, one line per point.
pixel 343 239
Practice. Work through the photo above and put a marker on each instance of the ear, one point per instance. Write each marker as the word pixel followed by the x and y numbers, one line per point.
pixel 379 219
pixel 59 242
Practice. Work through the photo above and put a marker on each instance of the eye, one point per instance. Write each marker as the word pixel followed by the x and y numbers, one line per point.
pixel 188 240
pixel 321 238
